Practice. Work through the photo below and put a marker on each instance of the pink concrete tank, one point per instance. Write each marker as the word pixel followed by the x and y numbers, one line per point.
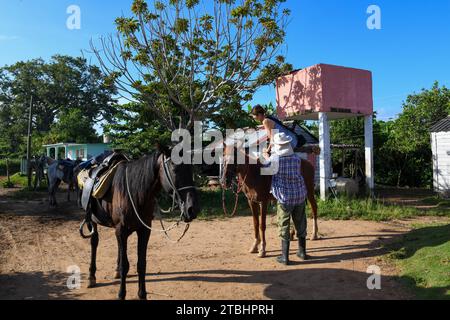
pixel 341 92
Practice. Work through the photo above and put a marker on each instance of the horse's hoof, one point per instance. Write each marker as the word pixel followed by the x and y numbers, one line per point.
pixel 92 283
pixel 117 275
pixel 142 297
pixel 253 250
pixel 314 237
pixel 121 296
pixel 262 254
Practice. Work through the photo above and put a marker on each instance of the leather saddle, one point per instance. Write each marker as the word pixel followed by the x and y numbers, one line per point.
pixel 94 177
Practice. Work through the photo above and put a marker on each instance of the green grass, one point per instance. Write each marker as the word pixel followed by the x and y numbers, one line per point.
pixel 423 259
pixel 373 210
pixel 436 201
pixel 23 193
pixel 211 204
pixel 14 166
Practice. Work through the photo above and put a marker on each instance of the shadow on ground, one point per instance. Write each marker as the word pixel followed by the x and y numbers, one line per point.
pixel 35 286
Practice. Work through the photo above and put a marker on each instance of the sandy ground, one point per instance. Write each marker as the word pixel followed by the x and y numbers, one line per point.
pixel 38 245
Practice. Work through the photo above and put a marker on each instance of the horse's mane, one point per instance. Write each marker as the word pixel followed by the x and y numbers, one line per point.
pixel 142 176
pixel 50 161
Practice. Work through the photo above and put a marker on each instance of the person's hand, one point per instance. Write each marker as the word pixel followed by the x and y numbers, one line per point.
pixel 316 150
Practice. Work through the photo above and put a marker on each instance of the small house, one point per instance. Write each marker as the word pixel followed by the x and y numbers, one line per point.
pixel 75 151
pixel 440 145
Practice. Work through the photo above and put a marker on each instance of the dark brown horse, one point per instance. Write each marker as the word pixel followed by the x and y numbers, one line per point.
pixel 130 205
pixel 256 188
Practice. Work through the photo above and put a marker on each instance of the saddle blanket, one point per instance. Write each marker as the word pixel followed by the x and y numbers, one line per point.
pixel 102 183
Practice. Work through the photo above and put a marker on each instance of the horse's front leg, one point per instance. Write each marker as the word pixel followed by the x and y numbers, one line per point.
pixel 52 194
pixel 255 214
pixel 315 232
pixel 69 189
pixel 94 245
pixel 263 210
pixel 143 237
pixel 122 237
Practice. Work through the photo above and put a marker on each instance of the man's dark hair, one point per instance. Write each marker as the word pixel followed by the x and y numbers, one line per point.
pixel 257 110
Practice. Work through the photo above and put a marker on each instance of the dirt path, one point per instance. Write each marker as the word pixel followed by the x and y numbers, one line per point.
pixel 37 245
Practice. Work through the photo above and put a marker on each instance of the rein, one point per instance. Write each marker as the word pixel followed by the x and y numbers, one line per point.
pixel 176 202
pixel 240 185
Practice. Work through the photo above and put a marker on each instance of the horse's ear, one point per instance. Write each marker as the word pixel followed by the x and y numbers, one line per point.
pixel 163 149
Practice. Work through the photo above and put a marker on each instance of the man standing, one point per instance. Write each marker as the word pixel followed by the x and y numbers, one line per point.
pixel 288 187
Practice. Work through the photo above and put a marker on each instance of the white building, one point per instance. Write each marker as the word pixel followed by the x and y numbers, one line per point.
pixel 440 144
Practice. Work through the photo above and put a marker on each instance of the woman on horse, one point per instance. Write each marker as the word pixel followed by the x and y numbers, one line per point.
pixel 272 126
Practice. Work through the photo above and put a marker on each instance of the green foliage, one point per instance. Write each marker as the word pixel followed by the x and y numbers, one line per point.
pixel 423 257
pixel 73 126
pixel 14 166
pixel 196 60
pixel 17 180
pixel 7 184
pixel 371 209
pixel 65 89
pixel 137 130
pixel 402 148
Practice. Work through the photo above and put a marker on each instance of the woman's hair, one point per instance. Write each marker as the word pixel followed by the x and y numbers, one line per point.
pixel 257 110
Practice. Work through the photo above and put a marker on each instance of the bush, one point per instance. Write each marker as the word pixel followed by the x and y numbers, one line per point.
pixel 8 184
pixel 14 166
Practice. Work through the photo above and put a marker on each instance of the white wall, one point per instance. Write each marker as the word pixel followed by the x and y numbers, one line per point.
pixel 440 144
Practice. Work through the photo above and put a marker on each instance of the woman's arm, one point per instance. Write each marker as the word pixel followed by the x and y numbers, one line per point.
pixel 269 125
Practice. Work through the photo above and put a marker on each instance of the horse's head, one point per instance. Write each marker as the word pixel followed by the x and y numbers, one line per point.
pixel 178 178
pixel 228 166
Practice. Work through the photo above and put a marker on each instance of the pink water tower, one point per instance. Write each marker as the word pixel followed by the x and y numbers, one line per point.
pixel 326 92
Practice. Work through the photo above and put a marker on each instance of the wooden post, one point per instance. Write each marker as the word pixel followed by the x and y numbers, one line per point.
pixel 368 134
pixel 7 172
pixel 325 154
pixel 30 119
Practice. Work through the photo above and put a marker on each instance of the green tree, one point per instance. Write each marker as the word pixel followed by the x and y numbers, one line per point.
pixel 137 129
pixel 193 60
pixel 58 87
pixel 73 126
pixel 402 147
pixel 420 112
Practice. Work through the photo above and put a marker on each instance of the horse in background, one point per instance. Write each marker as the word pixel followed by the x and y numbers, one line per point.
pixel 38 166
pixel 60 171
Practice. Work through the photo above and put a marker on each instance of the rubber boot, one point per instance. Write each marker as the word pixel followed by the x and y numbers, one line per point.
pixel 284 258
pixel 302 249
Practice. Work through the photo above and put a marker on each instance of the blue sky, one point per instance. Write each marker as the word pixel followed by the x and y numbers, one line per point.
pixel 409 53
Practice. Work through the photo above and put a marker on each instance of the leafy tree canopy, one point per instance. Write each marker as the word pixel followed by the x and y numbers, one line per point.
pixel 65 89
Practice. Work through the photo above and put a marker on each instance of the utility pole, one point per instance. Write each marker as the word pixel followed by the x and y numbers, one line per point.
pixel 30 119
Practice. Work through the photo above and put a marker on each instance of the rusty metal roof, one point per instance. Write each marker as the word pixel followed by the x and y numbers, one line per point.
pixel 441 126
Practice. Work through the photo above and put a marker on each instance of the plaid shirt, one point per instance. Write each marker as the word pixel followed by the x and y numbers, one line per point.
pixel 288 186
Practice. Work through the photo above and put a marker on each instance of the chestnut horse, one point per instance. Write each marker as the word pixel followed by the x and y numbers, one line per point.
pixel 256 188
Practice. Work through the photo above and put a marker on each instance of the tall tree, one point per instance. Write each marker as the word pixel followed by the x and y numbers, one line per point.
pixel 192 59
pixel 58 87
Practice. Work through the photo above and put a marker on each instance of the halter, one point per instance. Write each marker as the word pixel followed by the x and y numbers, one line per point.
pixel 176 202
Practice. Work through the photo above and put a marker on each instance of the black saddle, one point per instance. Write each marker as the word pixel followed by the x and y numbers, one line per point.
pixel 95 174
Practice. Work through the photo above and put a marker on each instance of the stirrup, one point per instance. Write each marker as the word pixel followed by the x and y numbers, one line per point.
pixel 89 224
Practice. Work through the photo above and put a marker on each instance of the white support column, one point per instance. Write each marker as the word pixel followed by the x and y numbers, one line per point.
pixel 325 154
pixel 368 134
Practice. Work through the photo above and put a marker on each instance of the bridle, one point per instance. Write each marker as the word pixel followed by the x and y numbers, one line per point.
pixel 236 182
pixel 177 202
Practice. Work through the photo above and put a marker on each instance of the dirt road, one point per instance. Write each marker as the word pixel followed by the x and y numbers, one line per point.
pixel 38 244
